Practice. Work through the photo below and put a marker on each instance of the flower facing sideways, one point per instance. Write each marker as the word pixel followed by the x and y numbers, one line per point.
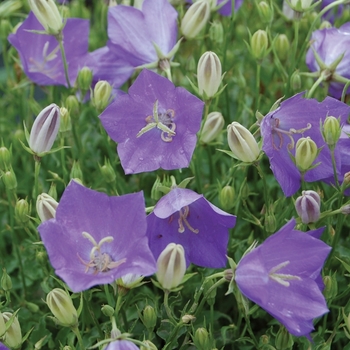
pixel 185 217
pixel 155 124
pixel 95 239
pixel 282 276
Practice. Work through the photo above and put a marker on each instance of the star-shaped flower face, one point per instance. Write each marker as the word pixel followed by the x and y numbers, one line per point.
pixel 282 276
pixel 155 124
pixel 96 239
pixel 295 118
pixel 41 59
pixel 187 218
pixel 330 44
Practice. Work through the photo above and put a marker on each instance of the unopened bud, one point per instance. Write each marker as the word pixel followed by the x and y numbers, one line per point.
pixel 6 282
pixel 346 180
pixel 171 265
pixel 242 143
pixel 265 12
pixel 66 123
pixel 345 209
pixel 295 81
pixel 282 46
pixel 72 104
pixel 216 32
pixel 308 206
pixel 270 223
pixel 107 310
pixel 325 25
pixel 209 74
pixel 46 207
pixel 32 307
pixel 259 43
pixel 13 335
pixel 188 318
pixel 227 197
pixel 108 172
pixel 149 317
pixel 201 339
pixel 53 191
pixel 305 153
pixel 84 79
pixel 62 307
pixel 5 158
pixel 300 5
pixel 10 180
pixel 330 290
pixel 331 131
pixel 45 129
pixel 22 211
pixel 48 15
pixel 148 345
pixel 212 127
pixel 102 94
pixel 76 172
pixel 284 340
pixel 195 19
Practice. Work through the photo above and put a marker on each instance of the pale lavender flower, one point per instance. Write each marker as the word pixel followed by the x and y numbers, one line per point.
pixel 295 118
pixel 187 218
pixel 282 276
pixel 330 44
pixel 3 347
pixel 132 35
pixel 155 124
pixel 121 345
pixel 95 239
pixel 41 59
pixel 308 206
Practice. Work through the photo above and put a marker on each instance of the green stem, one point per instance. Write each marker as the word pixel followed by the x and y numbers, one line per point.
pixel 257 86
pixel 108 295
pixel 78 335
pixel 118 304
pixel 64 59
pixel 315 85
pixel 36 178
pixel 166 305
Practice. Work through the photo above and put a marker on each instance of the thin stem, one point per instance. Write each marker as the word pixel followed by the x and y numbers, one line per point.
pixel 166 305
pixel 36 178
pixel 64 59
pixel 315 85
pixel 78 335
pixel 257 86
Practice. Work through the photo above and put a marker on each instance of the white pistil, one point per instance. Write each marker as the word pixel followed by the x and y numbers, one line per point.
pixel 183 220
pixel 282 278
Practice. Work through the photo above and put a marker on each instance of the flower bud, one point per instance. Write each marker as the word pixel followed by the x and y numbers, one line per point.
pixel 295 81
pixel 195 19
pixel 46 207
pixel 259 43
pixel 32 307
pixel 66 123
pixel 284 340
pixel 6 282
pixel 308 206
pixel 171 266
pixel 76 172
pixel 216 32
pixel 149 317
pixel 48 15
pixel 227 197
pixel 300 5
pixel 127 282
pixel 346 180
pixel 22 211
pixel 107 310
pixel 148 345
pixel 72 104
pixel 84 79
pixel 345 209
pixel 62 307
pixel 53 191
pixel 305 153
pixel 331 131
pixel 13 335
pixel 45 129
pixel 270 223
pixel 282 46
pixel 265 12
pixel 102 94
pixel 108 172
pixel 330 290
pixel 242 143
pixel 212 127
pixel 325 25
pixel 201 339
pixel 5 158
pixel 188 318
pixel 209 74
pixel 10 180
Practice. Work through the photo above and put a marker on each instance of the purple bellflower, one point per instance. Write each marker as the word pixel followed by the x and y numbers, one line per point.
pixel 121 345
pixel 96 239
pixel 133 34
pixel 3 347
pixel 41 60
pixel 295 118
pixel 330 44
pixel 283 277
pixel 332 14
pixel 155 124
pixel 226 10
pixel 187 218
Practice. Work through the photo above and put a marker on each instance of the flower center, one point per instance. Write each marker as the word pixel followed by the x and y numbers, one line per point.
pixel 163 121
pixel 100 262
pixel 46 58
pixel 184 213
pixel 280 132
pixel 282 278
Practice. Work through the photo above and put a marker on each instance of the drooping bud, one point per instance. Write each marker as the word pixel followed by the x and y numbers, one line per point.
pixel 22 211
pixel 345 209
pixel 62 307
pixel 10 180
pixel 282 46
pixel 331 131
pixel 84 79
pixel 13 335
pixel 171 265
pixel 5 158
pixel 242 143
pixel 149 317
pixel 259 43
pixel 45 129
pixel 48 15
pixel 212 127
pixel 284 340
pixel 46 207
pixel 305 153
pixel 201 339
pixel 308 206
pixel 195 19
pixel 209 74
pixel 227 197
pixel 102 94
